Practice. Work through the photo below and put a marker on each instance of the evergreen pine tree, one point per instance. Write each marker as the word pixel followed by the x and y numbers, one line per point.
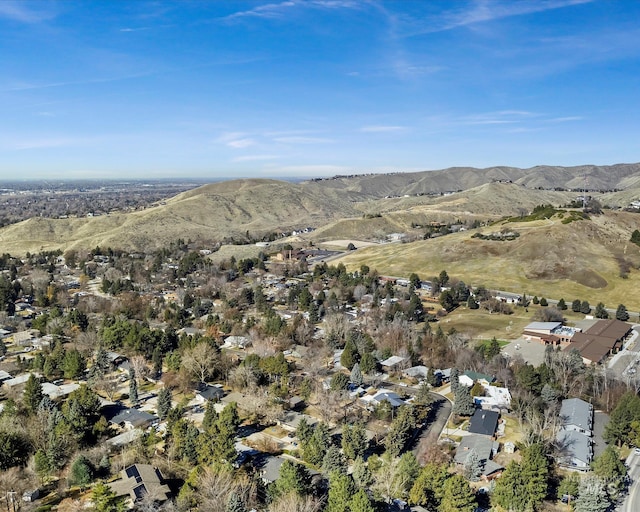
pixel 294 478
pixel 472 466
pixel 164 403
pixel 133 387
pixel 356 375
pixel 576 305
pixel 464 404
pixel 341 489
pixel 235 503
pixel 210 416
pixel 81 472
pixel 334 461
pixel 601 311
pixel 455 379
pixel 621 313
pixel 361 474
pixel 41 463
pixel 592 496
pixel 349 355
pixel 458 496
pixel 354 440
pixel 360 502
pixel 367 362
pixel 32 393
pixel 562 305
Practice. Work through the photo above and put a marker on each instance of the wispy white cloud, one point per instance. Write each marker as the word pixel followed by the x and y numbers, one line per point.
pixel 567 119
pixel 236 140
pixel 18 11
pixel 280 9
pixel 499 117
pixel 136 29
pixel 382 129
pixel 254 158
pixel 241 143
pixel 482 11
pixel 302 140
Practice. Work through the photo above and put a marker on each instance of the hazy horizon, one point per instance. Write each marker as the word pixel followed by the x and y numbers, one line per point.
pixel 284 89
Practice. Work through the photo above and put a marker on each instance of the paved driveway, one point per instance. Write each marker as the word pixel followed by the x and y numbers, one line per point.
pixel 438 417
pixel 600 420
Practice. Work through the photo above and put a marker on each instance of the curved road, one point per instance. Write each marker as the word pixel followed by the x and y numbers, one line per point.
pixel 436 421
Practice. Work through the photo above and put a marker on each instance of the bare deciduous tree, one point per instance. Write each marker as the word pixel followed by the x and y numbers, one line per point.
pixel 214 489
pixel 201 361
pixel 292 502
pixel 140 367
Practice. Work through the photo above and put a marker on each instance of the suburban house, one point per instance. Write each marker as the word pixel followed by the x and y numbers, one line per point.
pixel 124 439
pixel 469 378
pixel 509 298
pixel 238 342
pixel 4 376
pixel 576 450
pixel 141 480
pixel 494 398
pixel 416 372
pixel 23 338
pixel 290 420
pixel 61 391
pixel 117 360
pixel 207 392
pixel 269 467
pixel 394 363
pixel 127 418
pixel 19 379
pixel 485 449
pixel 576 414
pixel 574 437
pixel 383 395
pixel 603 338
pixel 483 422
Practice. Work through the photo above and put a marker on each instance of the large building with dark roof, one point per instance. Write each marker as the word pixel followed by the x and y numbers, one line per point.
pixel 605 337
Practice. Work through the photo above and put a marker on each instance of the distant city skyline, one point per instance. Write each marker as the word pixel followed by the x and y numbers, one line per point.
pixel 285 88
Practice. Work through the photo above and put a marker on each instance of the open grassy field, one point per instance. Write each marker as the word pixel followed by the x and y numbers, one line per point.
pixel 580 260
pixel 478 324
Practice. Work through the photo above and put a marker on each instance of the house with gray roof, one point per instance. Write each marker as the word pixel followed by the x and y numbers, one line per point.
pixel 383 396
pixel 206 392
pixel 576 450
pixel 394 363
pixel 140 480
pixel 416 372
pixel 577 415
pixel 485 448
pixel 128 418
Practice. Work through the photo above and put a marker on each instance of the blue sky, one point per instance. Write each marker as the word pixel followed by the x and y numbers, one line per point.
pixel 104 89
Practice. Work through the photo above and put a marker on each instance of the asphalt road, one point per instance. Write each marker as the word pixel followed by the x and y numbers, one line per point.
pixel 436 421
pixel 631 502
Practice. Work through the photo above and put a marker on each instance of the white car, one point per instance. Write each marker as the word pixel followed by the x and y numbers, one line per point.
pixel 637 451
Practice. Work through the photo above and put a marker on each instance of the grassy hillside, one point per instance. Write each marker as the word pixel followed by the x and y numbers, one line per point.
pixel 212 212
pixel 581 259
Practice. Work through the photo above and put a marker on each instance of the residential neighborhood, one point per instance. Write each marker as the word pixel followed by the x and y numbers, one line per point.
pixel 275 369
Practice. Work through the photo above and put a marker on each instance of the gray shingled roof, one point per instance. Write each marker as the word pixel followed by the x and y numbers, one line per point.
pixel 575 411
